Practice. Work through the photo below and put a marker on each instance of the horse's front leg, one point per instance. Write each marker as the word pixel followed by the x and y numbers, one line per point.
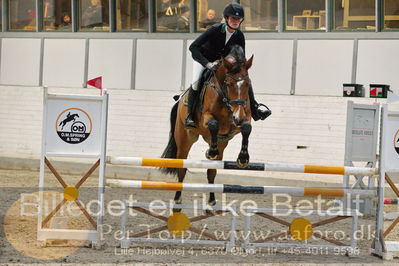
pixel 181 173
pixel 213 126
pixel 211 174
pixel 243 156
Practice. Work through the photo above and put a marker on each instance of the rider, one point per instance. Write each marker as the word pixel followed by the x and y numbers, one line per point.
pixel 210 46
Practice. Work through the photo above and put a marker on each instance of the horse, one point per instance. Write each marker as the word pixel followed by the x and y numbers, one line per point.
pixel 69 118
pixel 225 113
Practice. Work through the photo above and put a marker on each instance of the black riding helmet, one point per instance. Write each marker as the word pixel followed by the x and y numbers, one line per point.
pixel 233 10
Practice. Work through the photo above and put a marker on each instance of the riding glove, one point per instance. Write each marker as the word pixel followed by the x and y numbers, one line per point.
pixel 212 66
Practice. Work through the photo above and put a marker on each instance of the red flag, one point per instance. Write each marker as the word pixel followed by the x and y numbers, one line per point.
pixel 374 92
pixel 97 83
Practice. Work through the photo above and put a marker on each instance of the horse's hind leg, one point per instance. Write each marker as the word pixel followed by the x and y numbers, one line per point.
pixel 211 173
pixel 184 141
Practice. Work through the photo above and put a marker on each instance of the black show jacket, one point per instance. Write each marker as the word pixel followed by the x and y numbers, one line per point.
pixel 210 45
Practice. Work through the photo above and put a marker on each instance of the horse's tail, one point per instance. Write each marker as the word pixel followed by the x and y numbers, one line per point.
pixel 171 149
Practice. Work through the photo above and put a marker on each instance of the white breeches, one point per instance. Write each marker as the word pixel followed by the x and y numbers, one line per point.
pixel 197 70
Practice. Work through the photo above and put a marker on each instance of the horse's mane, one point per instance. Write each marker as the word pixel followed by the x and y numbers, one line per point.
pixel 236 53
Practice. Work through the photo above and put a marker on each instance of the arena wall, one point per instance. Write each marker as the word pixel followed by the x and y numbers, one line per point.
pixel 282 67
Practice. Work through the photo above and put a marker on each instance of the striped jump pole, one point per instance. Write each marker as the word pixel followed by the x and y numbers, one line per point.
pixel 221 188
pixel 276 167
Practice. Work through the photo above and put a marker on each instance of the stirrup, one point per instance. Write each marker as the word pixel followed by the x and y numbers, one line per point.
pixel 263 114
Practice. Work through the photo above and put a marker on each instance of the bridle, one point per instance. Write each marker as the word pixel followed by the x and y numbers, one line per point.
pixel 221 91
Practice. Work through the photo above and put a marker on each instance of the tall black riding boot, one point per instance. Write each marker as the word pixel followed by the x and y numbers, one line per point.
pixel 256 111
pixel 191 104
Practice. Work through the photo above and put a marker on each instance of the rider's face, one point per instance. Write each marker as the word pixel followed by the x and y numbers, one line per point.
pixel 234 22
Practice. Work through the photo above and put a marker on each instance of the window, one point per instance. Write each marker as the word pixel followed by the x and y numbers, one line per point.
pixel 94 15
pixel 354 14
pixel 210 12
pixel 1 15
pixel 57 15
pixel 132 15
pixel 391 14
pixel 22 14
pixel 305 15
pixel 173 15
pixel 260 15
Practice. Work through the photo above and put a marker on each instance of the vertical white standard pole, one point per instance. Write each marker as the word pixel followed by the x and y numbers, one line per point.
pixel 41 178
pixel 124 239
pixel 379 224
pixel 230 246
pixel 247 231
pixel 101 178
pixel 354 230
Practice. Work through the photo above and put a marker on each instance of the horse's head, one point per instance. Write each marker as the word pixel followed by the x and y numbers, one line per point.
pixel 234 74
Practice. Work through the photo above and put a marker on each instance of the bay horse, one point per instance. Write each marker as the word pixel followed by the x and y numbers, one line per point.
pixel 225 112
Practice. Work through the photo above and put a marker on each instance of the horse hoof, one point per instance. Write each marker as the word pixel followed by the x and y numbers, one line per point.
pixel 242 164
pixel 209 157
pixel 177 209
pixel 208 211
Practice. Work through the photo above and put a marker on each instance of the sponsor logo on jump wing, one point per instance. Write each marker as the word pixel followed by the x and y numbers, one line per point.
pixel 73 125
pixel 396 142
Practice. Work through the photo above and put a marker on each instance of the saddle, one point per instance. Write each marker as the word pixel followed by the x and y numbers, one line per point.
pixel 206 75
